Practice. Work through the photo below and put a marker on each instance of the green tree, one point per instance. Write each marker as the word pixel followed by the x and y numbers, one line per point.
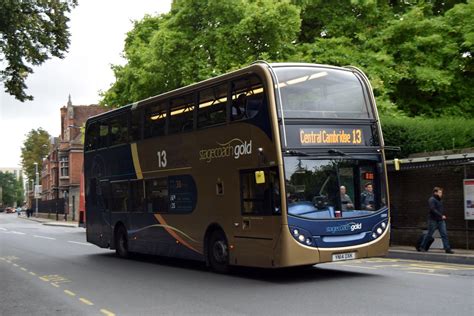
pixel 201 39
pixel 35 148
pixel 20 192
pixel 8 184
pixel 30 33
pixel 432 59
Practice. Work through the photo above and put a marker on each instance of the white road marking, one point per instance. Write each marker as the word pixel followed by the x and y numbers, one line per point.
pixel 1 228
pixel 44 237
pixel 18 233
pixel 440 275
pixel 79 243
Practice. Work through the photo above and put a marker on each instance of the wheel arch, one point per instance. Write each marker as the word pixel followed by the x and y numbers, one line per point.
pixel 117 226
pixel 211 229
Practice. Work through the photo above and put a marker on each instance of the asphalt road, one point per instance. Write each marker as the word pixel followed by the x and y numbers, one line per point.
pixel 46 270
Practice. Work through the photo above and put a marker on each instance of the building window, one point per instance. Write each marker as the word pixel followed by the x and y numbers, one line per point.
pixel 64 166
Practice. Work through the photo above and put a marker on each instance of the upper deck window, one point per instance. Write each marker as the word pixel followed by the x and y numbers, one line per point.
pixel 310 92
pixel 182 114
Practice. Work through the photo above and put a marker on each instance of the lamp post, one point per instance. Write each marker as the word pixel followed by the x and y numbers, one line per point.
pixel 36 188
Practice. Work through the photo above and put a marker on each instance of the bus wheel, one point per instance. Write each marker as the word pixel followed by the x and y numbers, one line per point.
pixel 121 242
pixel 218 252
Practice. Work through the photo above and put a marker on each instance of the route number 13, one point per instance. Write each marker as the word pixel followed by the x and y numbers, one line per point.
pixel 162 161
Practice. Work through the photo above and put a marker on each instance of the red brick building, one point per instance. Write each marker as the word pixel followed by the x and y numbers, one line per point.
pixel 62 168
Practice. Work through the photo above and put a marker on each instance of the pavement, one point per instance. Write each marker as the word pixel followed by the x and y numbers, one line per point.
pixel 460 256
pixel 51 222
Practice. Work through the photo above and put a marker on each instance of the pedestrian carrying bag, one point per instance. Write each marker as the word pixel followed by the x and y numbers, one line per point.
pixel 428 243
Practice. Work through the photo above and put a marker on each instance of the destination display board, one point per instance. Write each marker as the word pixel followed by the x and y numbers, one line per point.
pixel 182 194
pixel 329 135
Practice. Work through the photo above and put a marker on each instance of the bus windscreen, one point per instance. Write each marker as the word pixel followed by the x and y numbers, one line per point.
pixel 333 188
pixel 311 92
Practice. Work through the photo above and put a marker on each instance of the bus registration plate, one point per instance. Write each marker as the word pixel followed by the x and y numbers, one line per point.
pixel 343 256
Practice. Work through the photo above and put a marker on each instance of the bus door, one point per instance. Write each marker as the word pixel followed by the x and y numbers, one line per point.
pixel 257 227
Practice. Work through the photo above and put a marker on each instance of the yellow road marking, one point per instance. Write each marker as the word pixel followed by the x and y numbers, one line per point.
pixel 441 275
pixel 106 312
pixel 43 279
pixel 69 293
pixel 23 269
pixel 87 302
pixel 54 284
pixel 362 267
pixel 56 278
pixel 32 273
pixel 388 265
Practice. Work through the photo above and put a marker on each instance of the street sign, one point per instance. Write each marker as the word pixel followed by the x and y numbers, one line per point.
pixel 38 190
pixel 469 199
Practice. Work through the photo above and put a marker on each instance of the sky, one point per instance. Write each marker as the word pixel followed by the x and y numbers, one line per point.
pixel 98 29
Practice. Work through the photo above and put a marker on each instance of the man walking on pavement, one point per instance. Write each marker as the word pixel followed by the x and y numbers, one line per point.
pixel 436 220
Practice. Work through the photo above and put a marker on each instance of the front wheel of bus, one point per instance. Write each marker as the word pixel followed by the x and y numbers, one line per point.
pixel 121 243
pixel 218 252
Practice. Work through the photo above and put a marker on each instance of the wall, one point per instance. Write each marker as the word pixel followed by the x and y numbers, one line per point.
pixel 409 193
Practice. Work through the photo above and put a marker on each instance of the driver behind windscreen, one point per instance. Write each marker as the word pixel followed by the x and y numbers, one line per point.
pixel 346 202
pixel 367 198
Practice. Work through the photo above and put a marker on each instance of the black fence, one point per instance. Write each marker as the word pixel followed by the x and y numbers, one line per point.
pixel 50 206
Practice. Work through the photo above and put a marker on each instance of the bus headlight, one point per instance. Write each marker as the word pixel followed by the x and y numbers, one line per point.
pixel 374 235
pixel 302 236
pixel 379 231
pixel 384 225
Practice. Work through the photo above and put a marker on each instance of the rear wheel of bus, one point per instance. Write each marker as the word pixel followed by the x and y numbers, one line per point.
pixel 121 242
pixel 218 252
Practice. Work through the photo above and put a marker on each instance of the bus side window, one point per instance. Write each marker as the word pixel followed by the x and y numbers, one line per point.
pixel 248 97
pixel 92 138
pixel 157 200
pixel 118 130
pixel 137 197
pixel 119 196
pixel 136 125
pixel 182 114
pixel 103 135
pixel 155 120
pixel 212 106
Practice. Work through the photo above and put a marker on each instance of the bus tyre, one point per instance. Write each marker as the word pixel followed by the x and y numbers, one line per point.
pixel 218 252
pixel 121 243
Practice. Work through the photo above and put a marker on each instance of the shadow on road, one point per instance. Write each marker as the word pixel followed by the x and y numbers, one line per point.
pixel 280 276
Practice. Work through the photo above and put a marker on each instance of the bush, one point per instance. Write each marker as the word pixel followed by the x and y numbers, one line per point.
pixel 415 135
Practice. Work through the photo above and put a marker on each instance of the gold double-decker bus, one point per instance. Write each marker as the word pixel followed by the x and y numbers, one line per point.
pixel 272 165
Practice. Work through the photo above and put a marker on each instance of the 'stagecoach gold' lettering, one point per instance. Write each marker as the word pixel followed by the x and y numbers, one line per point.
pixel 235 147
pixel 331 136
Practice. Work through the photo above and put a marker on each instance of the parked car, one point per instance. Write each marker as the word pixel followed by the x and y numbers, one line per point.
pixel 10 210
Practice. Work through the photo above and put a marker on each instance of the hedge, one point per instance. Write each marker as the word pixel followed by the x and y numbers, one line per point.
pixel 417 135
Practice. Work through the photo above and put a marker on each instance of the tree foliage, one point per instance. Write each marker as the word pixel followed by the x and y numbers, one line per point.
pixel 35 148
pixel 417 54
pixel 30 33
pixel 200 39
pixel 12 189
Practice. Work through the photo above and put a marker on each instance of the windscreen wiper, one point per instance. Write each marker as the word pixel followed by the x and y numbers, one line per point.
pixel 295 153
pixel 336 152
